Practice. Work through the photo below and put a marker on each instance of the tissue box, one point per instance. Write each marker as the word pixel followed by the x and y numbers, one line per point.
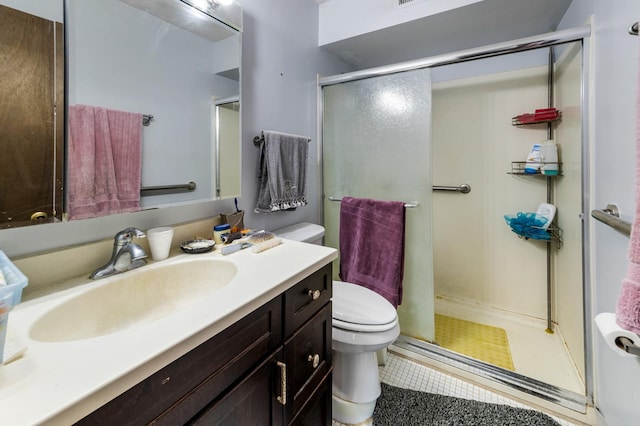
pixel 15 279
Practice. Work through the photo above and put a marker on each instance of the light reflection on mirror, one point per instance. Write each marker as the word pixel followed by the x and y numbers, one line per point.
pixel 227 125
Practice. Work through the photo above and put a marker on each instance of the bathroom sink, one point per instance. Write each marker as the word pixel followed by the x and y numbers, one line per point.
pixel 133 298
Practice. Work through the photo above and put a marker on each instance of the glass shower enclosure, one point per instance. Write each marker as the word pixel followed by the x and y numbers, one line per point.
pixel 398 132
pixel 375 144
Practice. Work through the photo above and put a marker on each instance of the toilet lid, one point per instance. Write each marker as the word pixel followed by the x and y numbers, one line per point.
pixel 358 308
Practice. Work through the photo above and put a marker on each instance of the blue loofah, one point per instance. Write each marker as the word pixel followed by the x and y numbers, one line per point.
pixel 528 225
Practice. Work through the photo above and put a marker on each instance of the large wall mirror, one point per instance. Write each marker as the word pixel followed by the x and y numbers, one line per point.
pixel 170 62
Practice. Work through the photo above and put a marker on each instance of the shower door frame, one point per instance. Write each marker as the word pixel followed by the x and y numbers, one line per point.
pixel 545 391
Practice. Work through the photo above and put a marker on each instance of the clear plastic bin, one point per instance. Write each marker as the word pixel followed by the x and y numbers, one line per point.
pixel 5 307
pixel 16 280
pixel 10 294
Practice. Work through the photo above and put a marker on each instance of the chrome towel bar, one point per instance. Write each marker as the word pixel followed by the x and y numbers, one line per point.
pixel 610 216
pixel 409 205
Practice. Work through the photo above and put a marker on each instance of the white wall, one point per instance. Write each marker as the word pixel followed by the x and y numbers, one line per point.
pixel 281 60
pixel 614 77
pixel 375 15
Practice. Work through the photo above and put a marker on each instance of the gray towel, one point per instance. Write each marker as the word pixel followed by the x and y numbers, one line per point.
pixel 282 177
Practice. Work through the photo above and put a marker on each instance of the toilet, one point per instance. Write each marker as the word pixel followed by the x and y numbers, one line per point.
pixel 363 322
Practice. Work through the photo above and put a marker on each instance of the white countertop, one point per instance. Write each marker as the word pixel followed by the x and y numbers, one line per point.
pixel 60 383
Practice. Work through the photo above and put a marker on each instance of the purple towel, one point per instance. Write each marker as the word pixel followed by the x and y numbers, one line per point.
pixel 628 307
pixel 372 245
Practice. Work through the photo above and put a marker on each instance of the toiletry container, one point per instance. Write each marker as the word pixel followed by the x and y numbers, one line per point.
pixel 221 232
pixel 532 165
pixel 549 158
pixel 548 211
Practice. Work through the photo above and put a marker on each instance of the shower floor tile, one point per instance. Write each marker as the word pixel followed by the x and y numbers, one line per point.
pixel 536 353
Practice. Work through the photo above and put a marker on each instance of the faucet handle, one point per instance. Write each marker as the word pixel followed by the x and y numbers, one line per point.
pixel 126 235
pixel 139 233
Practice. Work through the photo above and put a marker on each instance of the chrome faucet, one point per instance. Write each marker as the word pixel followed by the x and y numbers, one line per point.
pixel 126 255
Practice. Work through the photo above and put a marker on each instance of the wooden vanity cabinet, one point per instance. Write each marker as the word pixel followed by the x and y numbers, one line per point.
pixel 272 367
pixel 307 347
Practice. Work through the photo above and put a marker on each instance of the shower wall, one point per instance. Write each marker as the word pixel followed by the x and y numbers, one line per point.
pixel 568 306
pixel 477 258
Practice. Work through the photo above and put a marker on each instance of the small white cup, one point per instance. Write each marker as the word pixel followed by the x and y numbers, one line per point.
pixel 160 242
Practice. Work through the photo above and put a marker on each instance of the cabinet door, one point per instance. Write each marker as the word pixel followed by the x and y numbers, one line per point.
pixel 308 359
pixel 318 410
pixel 304 299
pixel 254 401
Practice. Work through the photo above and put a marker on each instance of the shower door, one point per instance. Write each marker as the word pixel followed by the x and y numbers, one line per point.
pixel 376 144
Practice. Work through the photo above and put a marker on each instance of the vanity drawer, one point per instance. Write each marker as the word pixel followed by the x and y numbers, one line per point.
pixel 176 393
pixel 304 299
pixel 308 360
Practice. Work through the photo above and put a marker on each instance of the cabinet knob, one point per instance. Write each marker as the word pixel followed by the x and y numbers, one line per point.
pixel 314 360
pixel 314 294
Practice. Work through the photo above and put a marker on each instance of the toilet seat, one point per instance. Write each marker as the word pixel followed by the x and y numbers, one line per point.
pixel 362 328
pixel 356 308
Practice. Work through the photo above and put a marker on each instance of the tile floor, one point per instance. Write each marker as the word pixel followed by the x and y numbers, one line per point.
pixel 405 373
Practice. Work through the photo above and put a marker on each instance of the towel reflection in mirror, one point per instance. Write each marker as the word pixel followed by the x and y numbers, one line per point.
pixel 104 167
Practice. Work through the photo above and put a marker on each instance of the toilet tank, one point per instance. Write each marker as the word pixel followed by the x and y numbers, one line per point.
pixel 304 231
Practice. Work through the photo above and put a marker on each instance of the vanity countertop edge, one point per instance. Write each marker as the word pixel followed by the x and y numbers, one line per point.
pixel 59 383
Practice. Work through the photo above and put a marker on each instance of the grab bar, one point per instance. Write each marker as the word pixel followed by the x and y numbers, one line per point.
pixel 409 205
pixel 610 216
pixel 465 188
pixel 167 189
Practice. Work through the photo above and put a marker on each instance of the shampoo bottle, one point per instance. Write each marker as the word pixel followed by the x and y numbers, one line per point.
pixel 549 157
pixel 533 160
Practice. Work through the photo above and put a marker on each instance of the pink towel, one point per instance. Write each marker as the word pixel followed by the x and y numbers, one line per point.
pixel 628 308
pixel 105 153
pixel 372 245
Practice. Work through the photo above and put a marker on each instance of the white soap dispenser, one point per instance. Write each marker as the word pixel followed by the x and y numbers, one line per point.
pixel 548 211
pixel 549 158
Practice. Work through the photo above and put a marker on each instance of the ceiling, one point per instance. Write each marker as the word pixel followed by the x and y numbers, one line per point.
pixel 479 24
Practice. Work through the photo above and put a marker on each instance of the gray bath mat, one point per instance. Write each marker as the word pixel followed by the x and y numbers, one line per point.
pixel 398 407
